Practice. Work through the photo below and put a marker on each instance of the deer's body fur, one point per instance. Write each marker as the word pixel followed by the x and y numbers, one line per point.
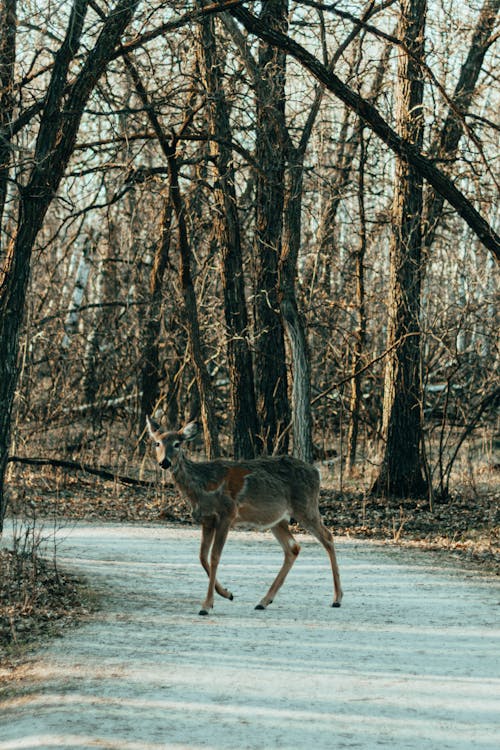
pixel 254 485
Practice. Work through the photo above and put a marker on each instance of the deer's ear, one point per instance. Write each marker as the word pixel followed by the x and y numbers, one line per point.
pixel 190 430
pixel 153 428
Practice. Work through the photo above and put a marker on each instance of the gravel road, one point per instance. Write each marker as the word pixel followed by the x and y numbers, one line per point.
pixel 410 661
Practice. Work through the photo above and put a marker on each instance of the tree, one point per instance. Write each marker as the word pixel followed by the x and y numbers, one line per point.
pixel 453 128
pixel 191 318
pixel 270 155
pixel 401 470
pixel 360 333
pixel 246 442
pixel 149 385
pixel 8 21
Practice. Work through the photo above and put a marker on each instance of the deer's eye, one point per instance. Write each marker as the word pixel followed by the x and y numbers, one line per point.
pixel 157 445
pixel 177 444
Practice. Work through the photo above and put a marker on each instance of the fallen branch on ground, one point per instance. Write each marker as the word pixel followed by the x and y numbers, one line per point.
pixel 77 466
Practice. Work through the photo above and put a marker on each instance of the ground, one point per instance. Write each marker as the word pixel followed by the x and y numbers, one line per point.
pixel 467 527
pixel 410 660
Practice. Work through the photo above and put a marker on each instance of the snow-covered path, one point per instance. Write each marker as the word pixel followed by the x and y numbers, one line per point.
pixel 410 661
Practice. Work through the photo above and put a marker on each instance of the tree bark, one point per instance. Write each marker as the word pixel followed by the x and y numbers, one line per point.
pixel 205 390
pixel 8 22
pixel 293 320
pixel 401 470
pixel 149 379
pixel 347 148
pixel 360 334
pixel 207 406
pixel 271 374
pixel 452 130
pixel 245 427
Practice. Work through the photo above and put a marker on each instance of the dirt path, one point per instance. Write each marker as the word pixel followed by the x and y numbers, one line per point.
pixel 410 661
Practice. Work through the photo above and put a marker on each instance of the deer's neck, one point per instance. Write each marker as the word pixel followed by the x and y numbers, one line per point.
pixel 186 476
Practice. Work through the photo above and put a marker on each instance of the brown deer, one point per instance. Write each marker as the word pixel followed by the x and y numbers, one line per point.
pixel 263 493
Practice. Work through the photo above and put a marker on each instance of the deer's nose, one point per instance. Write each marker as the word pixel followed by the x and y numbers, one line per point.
pixel 165 464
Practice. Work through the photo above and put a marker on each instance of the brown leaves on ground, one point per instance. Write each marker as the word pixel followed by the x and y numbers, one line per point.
pixel 36 600
pixel 466 525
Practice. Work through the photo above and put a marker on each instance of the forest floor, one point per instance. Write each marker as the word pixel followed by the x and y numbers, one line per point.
pixel 37 599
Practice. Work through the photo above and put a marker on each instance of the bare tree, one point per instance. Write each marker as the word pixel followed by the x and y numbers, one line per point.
pixel 401 470
pixel 169 149
pixel 262 190
pixel 360 333
pixel 270 155
pixel 8 13
pixel 149 385
pixel 246 441
pixel 453 128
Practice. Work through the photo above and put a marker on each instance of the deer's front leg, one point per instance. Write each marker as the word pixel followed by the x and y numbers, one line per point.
pixel 220 536
pixel 291 549
pixel 208 532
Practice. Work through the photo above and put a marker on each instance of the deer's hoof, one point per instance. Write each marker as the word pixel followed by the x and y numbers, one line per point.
pixel 260 606
pixel 336 604
pixel 203 612
pixel 230 597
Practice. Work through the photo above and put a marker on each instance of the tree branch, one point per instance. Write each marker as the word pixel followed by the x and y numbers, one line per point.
pixel 374 120
pixel 58 463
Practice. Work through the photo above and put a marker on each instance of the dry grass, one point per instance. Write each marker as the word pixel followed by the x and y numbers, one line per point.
pixel 36 601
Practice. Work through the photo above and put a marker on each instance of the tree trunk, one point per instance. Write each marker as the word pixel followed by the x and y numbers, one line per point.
pixel 149 379
pixel 8 22
pixel 347 148
pixel 360 335
pixel 205 390
pixel 293 320
pixel 452 130
pixel 98 370
pixel 82 255
pixel 271 374
pixel 401 470
pixel 246 443
pixel 12 297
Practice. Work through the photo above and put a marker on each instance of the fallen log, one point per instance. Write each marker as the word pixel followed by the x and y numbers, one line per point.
pixel 58 463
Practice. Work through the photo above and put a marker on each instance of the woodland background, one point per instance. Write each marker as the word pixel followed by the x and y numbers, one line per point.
pixel 275 216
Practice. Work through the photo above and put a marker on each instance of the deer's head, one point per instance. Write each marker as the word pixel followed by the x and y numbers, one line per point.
pixel 168 445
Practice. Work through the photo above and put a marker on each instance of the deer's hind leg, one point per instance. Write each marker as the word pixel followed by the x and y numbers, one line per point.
pixel 317 528
pixel 291 549
pixel 207 538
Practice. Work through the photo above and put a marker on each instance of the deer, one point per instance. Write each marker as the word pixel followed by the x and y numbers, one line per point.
pixel 261 493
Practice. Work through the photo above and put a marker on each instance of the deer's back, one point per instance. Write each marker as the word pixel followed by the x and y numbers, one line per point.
pixel 286 476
